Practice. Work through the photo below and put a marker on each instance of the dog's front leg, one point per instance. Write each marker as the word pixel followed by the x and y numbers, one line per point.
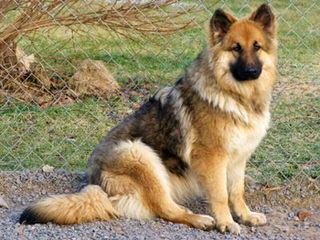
pixel 211 169
pixel 235 182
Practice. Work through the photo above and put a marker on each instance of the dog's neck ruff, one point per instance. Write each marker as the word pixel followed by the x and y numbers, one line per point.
pixel 221 100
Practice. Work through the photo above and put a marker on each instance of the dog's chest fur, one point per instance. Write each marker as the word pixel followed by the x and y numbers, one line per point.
pixel 218 128
pixel 204 124
pixel 242 141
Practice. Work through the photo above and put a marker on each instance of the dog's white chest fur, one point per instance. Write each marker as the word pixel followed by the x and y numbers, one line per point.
pixel 243 141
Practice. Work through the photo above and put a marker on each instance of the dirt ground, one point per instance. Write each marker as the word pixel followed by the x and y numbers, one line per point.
pixel 287 209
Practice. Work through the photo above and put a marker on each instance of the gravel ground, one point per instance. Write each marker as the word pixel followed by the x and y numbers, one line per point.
pixel 21 188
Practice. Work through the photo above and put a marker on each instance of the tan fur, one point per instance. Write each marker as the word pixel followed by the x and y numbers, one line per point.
pixel 215 121
pixel 87 205
pixel 221 152
pixel 144 168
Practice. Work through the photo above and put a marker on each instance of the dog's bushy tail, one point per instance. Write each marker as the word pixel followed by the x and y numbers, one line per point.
pixel 85 206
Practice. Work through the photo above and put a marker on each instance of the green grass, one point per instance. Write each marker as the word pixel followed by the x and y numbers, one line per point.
pixel 60 136
pixel 64 136
pixel 291 147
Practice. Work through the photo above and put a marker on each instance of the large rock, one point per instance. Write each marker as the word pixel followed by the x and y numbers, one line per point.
pixel 92 76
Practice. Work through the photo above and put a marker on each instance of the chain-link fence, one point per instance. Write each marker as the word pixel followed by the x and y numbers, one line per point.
pixel 55 106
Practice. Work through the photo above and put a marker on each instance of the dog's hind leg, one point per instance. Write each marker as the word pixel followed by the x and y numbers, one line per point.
pixel 138 185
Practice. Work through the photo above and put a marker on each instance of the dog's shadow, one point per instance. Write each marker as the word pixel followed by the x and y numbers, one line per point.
pixel 198 205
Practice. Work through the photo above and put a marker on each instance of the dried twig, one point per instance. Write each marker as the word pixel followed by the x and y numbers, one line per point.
pixel 142 17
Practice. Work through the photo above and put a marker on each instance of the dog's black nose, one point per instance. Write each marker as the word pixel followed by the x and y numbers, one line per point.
pixel 251 70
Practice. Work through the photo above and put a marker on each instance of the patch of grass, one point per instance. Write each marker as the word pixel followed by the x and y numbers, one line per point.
pixel 61 136
pixel 291 147
pixel 64 136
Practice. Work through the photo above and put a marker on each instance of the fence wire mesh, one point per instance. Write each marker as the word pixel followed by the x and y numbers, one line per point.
pixel 54 108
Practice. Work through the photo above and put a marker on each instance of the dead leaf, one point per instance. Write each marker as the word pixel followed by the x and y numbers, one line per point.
pixel 24 60
pixel 303 214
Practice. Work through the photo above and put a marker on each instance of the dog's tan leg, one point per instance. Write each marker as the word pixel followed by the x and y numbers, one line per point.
pixel 140 164
pixel 212 171
pixel 235 174
pixel 160 202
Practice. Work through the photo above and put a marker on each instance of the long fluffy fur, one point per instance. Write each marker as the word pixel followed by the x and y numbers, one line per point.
pixel 193 138
pixel 89 204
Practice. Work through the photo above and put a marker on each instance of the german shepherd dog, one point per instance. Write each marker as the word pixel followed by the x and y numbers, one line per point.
pixel 193 138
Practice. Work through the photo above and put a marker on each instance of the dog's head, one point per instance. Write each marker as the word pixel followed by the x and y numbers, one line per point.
pixel 243 49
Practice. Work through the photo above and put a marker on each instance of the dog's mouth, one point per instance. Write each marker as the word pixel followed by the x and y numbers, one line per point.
pixel 245 77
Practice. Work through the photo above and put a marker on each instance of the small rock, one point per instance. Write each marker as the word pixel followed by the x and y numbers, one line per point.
pixel 47 168
pixel 117 229
pixel 285 229
pixel 3 203
pixel 41 178
pixel 70 139
pixel 19 229
pixel 267 210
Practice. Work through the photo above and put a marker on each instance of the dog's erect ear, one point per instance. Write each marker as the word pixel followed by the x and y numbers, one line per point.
pixel 220 23
pixel 264 16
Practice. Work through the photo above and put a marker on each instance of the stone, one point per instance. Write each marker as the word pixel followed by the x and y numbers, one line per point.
pixel 92 76
pixel 3 203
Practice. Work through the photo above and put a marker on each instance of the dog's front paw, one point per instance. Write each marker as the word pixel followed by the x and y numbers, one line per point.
pixel 232 227
pixel 254 219
pixel 203 222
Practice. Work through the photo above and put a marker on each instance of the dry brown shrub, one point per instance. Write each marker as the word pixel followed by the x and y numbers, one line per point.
pixel 19 80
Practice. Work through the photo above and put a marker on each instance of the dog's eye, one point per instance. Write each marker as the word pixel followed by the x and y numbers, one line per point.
pixel 256 46
pixel 237 48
